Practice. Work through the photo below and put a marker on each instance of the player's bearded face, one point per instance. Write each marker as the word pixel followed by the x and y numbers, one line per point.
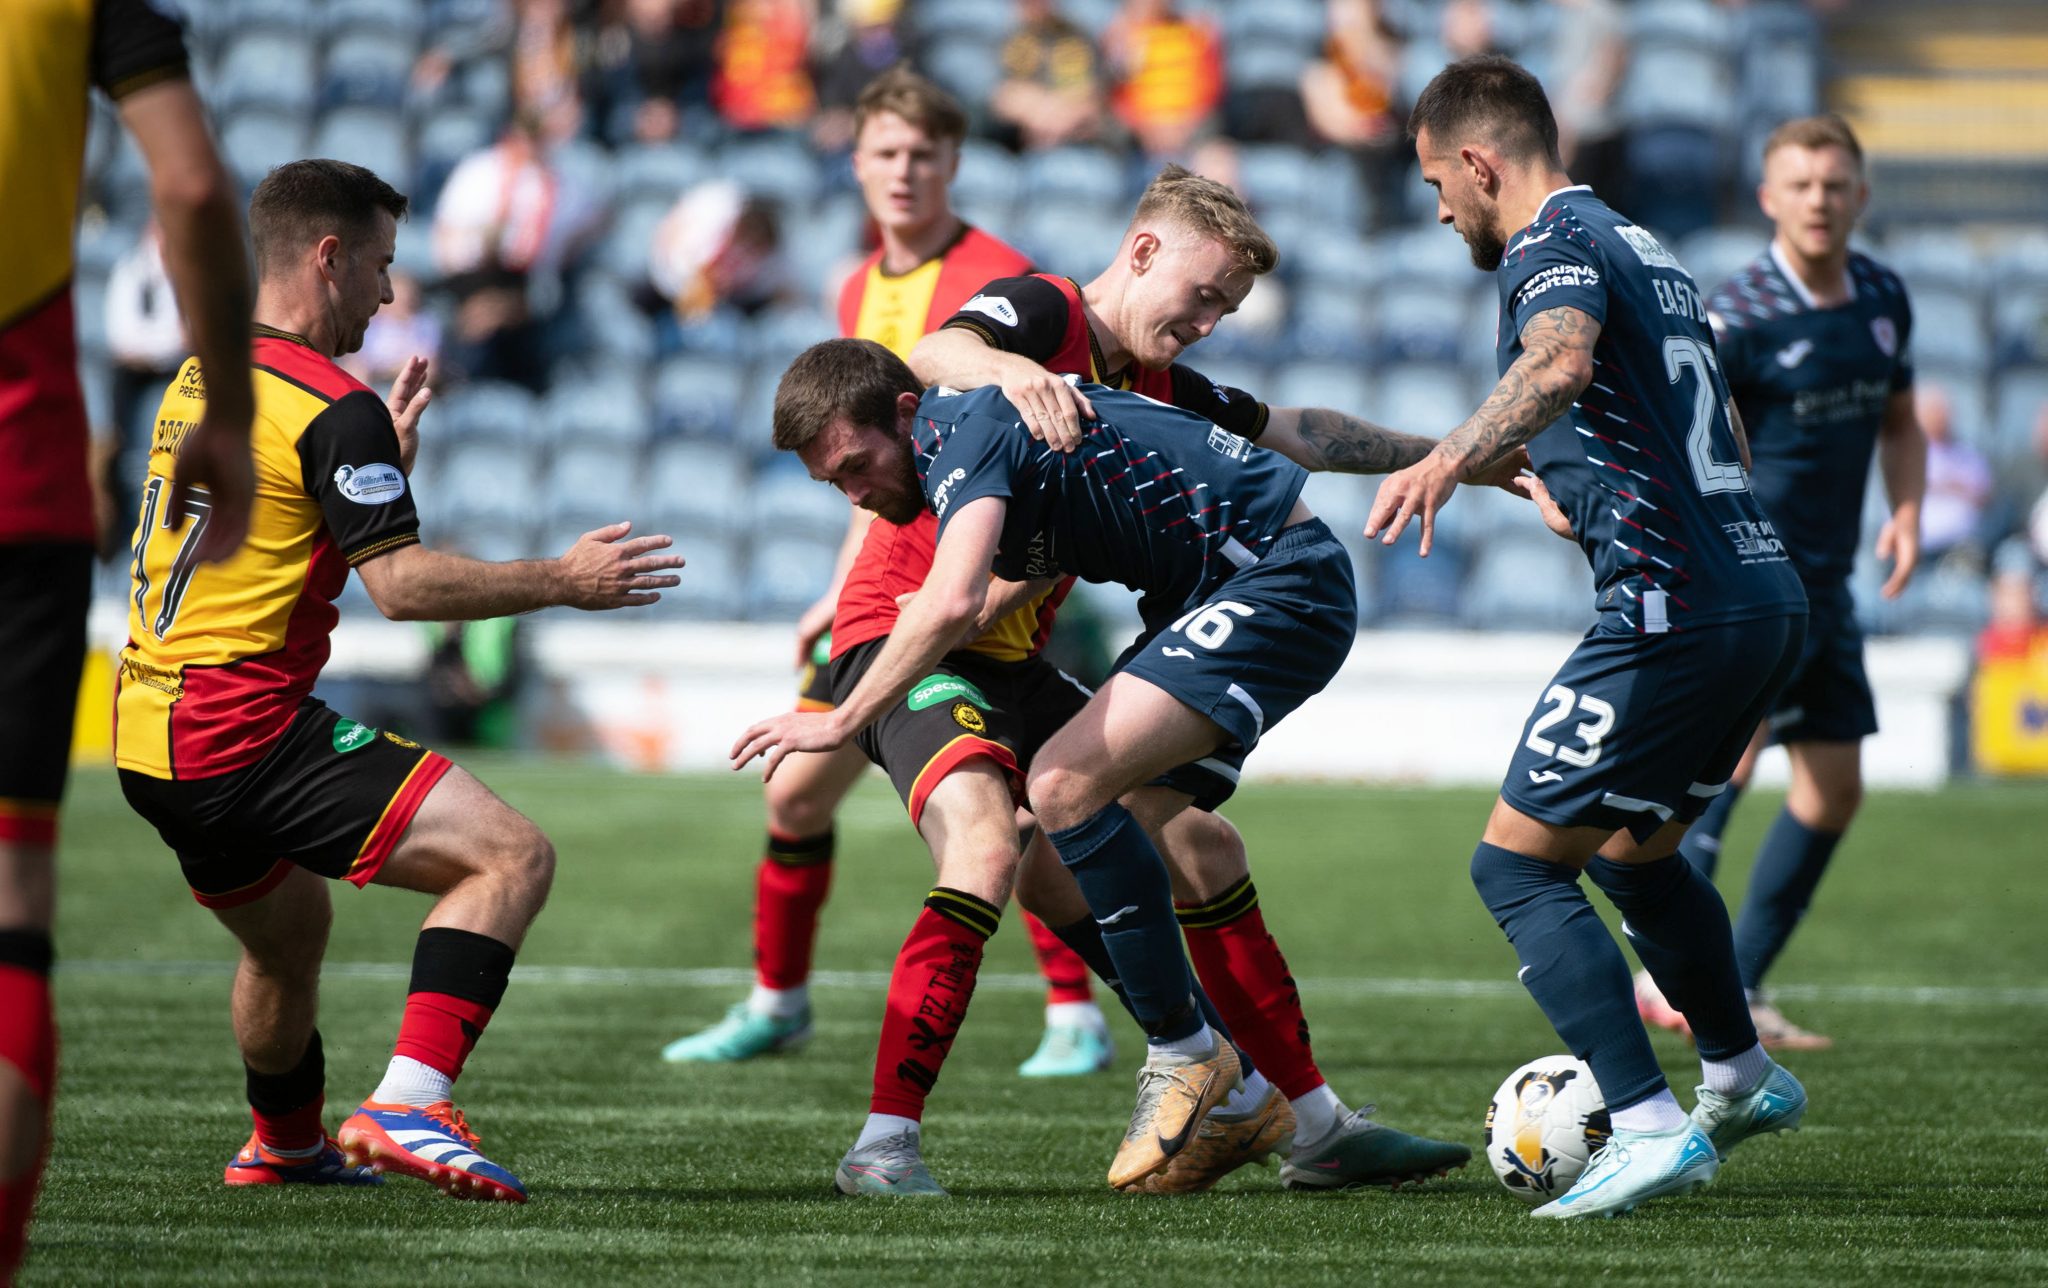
pixel 873 467
pixel 1461 204
pixel 363 283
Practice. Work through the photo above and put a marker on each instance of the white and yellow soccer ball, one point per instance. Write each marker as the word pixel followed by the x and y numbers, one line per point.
pixel 1545 1122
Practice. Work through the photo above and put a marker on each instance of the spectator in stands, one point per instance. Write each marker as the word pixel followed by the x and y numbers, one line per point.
pixel 1588 59
pixel 1349 92
pixel 504 217
pixel 650 68
pixel 1959 483
pixel 867 40
pixel 1467 29
pixel 401 331
pixel 542 52
pixel 717 248
pixel 762 79
pixel 1168 69
pixel 147 342
pixel 1051 91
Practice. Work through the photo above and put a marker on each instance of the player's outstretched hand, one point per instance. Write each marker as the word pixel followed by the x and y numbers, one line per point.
pixel 1899 541
pixel 777 736
pixel 214 461
pixel 1052 409
pixel 1417 492
pixel 606 570
pixel 409 397
pixel 1553 514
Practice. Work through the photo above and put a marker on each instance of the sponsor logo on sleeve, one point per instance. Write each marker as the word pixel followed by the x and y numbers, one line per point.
pixel 940 494
pixel 994 306
pixel 1557 275
pixel 1229 444
pixel 370 484
pixel 351 736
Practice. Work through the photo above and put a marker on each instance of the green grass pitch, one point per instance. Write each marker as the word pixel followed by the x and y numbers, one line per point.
pixel 1924 1158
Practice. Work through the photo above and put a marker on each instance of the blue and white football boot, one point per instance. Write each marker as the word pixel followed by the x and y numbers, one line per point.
pixel 1634 1166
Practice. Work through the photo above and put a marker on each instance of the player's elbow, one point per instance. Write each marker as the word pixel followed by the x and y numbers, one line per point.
pixel 1573 370
pixel 192 186
pixel 395 593
pixel 927 358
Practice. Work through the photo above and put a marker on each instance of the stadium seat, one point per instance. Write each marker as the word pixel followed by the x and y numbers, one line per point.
pixel 1057 177
pixel 2020 325
pixel 487 483
pixel 787 574
pixel 369 67
pixel 786 500
pixel 1713 255
pixel 1428 400
pixel 610 323
pixel 1933 257
pixel 1331 324
pixel 947 21
pixel 776 335
pixel 265 15
pixel 1425 252
pixel 714 581
pixel 264 68
pixel 623 251
pixel 1416 321
pixel 371 137
pixel 657 171
pixel 697 397
pixel 598 407
pixel 1265 63
pixel 780 169
pixel 398 18
pixel 1341 385
pixel 1688 23
pixel 1342 501
pixel 589 483
pixel 257 140
pixel 1412 592
pixel 826 244
pixel 89 308
pixel 1779 61
pixel 1969 400
pixel 1948 327
pixel 988 173
pixel 2020 401
pixel 1301 23
pixel 1676 167
pixel 1069 237
pixel 485 412
pixel 1334 260
pixel 698 487
pixel 962 65
pixel 1528 581
pixel 1679 84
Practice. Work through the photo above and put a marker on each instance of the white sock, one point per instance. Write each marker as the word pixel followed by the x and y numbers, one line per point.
pixel 1317 1114
pixel 1737 1075
pixel 883 1126
pixel 408 1082
pixel 779 1003
pixel 1075 1015
pixel 1247 1097
pixel 1660 1113
pixel 1201 1045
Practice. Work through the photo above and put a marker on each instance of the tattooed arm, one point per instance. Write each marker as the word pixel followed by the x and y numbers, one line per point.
pixel 1556 365
pixel 1318 438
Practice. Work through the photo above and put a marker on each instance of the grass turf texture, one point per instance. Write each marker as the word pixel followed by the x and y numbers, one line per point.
pixel 1922 1160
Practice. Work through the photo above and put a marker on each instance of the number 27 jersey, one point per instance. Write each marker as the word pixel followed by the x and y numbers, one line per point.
pixel 1645 462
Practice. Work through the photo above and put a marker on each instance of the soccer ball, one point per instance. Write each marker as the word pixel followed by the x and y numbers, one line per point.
pixel 1546 1120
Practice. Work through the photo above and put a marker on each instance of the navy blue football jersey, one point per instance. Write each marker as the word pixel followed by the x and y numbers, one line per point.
pixel 1645 462
pixel 1155 498
pixel 1812 385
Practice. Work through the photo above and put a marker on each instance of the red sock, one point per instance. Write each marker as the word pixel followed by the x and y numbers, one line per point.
pixel 928 995
pixel 1066 975
pixel 1248 980
pixel 789 888
pixel 458 979
pixel 28 1043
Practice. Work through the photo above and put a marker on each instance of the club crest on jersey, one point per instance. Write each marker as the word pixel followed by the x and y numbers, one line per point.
pixel 370 484
pixel 1886 334
pixel 994 306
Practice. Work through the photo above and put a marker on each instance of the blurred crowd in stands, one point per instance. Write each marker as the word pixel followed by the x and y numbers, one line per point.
pixel 628 215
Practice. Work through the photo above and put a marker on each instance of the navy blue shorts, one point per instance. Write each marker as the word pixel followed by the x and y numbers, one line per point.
pixel 1260 645
pixel 1635 731
pixel 1828 697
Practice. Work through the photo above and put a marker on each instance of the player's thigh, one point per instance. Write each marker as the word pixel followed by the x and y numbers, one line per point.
pixel 808 787
pixel 285 929
pixel 44 593
pixel 964 711
pixel 1827 696
pixel 968 823
pixel 1131 732
pixel 462 829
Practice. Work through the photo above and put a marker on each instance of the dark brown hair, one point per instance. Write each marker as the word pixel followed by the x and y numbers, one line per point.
pixel 857 379
pixel 1490 97
pixel 300 202
pixel 916 100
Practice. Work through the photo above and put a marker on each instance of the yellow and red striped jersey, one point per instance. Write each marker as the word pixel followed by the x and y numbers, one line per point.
pixel 896 310
pixel 220 655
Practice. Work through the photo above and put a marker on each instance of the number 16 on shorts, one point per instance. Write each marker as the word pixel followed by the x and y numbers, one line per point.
pixel 1207 627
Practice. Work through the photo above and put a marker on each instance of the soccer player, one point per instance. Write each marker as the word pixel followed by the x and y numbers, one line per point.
pixel 1814 341
pixel 53 54
pixel 1249 610
pixel 1609 376
pixel 1181 268
pixel 907 135
pixel 262 790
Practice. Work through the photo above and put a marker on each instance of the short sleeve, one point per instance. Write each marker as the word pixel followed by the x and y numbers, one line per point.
pixel 1021 315
pixel 1234 409
pixel 982 457
pixel 1902 367
pixel 135 44
pixel 349 459
pixel 1552 270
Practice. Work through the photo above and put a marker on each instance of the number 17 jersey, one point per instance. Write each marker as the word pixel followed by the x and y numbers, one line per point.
pixel 1645 462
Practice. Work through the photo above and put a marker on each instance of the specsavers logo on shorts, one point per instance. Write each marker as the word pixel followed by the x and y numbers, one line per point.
pixel 370 484
pixel 934 689
pixel 351 736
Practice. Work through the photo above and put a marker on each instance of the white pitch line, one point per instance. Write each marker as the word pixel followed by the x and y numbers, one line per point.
pixel 1368 986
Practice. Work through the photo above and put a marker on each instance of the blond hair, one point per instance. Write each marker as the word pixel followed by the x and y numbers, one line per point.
pixel 1825 131
pixel 1209 208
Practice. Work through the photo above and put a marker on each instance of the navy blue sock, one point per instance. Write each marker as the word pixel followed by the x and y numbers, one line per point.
pixel 1085 938
pixel 1702 844
pixel 1788 868
pixel 1572 967
pixel 1679 926
pixel 1125 882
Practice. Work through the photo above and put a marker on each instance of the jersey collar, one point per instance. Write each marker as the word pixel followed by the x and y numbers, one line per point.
pixel 1544 204
pixel 1799 289
pixel 262 332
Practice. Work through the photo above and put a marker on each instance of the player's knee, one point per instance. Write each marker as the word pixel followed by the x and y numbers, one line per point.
pixel 1060 797
pixel 291 947
pixel 797 808
pixel 534 866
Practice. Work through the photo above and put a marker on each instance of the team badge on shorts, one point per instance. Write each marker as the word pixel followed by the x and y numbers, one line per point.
pixel 350 735
pixel 969 718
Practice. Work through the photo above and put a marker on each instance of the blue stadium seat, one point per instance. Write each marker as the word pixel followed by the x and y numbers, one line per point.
pixel 487 483
pixel 1301 23
pixel 1084 175
pixel 787 574
pixel 256 140
pixel 1714 255
pixel 1412 592
pixel 1933 257
pixel 1418 399
pixel 2020 400
pixel 697 397
pixel 714 581
pixel 1679 84
pixel 1779 57
pixel 697 487
pixel 1340 385
pixel 587 484
pixel 1416 321
pixel 776 335
pixel 1335 260
pixel 371 137
pixel 1426 252
pixel 787 500
pixel 400 18
pixel 1527 581
pixel 1948 327
pixel 826 242
pixel 966 66
pixel 947 21
pixel 1071 238
pixel 656 171
pixel 781 169
pixel 2020 324
pixel 1342 501
pixel 1331 323
pixel 611 323
pixel 488 411
pixel 270 15
pixel 1690 23
pixel 272 69
pixel 368 67
pixel 988 174
pixel 1264 63
pixel 1090 15
pixel 624 249
pixel 605 408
